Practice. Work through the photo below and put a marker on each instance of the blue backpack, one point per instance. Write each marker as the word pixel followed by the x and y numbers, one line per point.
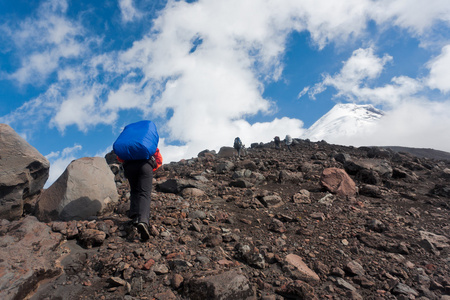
pixel 137 141
pixel 237 143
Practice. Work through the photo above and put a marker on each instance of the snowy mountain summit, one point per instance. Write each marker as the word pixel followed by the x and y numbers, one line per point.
pixel 344 121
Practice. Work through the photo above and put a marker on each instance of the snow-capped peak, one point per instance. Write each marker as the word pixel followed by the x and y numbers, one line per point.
pixel 344 120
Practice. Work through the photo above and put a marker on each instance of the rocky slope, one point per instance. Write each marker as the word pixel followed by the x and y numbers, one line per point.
pixel 262 226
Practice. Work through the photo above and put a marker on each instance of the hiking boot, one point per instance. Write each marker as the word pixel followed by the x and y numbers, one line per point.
pixel 143 230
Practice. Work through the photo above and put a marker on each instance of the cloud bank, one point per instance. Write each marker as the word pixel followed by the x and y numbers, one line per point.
pixel 201 70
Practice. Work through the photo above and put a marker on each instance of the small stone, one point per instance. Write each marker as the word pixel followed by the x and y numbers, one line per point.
pixel 340 282
pixel 160 269
pixel 148 264
pixel 403 289
pixel 117 281
pixel 354 268
pixel 177 281
pixel 318 216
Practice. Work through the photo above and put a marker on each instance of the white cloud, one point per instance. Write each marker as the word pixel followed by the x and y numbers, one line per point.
pixel 59 162
pixel 415 15
pixel 81 108
pixel 44 40
pixel 439 77
pixel 212 90
pixel 355 81
pixel 303 92
pixel 35 112
pixel 128 11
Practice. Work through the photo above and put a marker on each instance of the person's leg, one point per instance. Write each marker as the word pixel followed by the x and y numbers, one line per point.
pixel 131 172
pixel 145 192
pixel 140 176
pixel 144 198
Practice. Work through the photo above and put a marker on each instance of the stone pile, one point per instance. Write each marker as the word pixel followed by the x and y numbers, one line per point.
pixel 321 222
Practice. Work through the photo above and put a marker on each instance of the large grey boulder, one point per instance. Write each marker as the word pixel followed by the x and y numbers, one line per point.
pixel 23 173
pixel 85 189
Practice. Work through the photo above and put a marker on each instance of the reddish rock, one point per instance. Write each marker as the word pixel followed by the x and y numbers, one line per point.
pixel 28 257
pixel 338 182
pixel 306 273
pixel 148 265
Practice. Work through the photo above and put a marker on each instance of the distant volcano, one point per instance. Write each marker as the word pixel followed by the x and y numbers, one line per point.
pixel 344 120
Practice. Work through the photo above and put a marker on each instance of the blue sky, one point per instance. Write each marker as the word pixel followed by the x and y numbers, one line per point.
pixel 73 73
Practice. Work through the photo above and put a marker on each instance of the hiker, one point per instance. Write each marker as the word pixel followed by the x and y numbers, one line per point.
pixel 136 148
pixel 238 145
pixel 288 141
pixel 277 142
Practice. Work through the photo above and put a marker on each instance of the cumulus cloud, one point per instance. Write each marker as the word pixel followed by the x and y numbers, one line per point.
pixel 355 83
pixel 439 77
pixel 203 66
pixel 414 15
pixel 81 108
pixel 44 40
pixel 59 161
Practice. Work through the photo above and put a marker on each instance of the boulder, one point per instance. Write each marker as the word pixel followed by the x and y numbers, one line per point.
pixel 370 191
pixel 442 190
pixel 175 186
pixel 439 241
pixel 207 153
pixel 228 285
pixel 342 157
pixel 224 167
pixel 24 172
pixel 304 272
pixel 304 196
pixel 382 167
pixel 192 193
pixel 227 152
pixel 28 257
pixel 338 182
pixel 85 189
pixel 293 177
pixel 271 201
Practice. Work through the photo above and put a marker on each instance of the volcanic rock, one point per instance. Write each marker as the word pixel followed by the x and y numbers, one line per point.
pixel 29 254
pixel 84 190
pixel 338 182
pixel 24 172
pixel 228 285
